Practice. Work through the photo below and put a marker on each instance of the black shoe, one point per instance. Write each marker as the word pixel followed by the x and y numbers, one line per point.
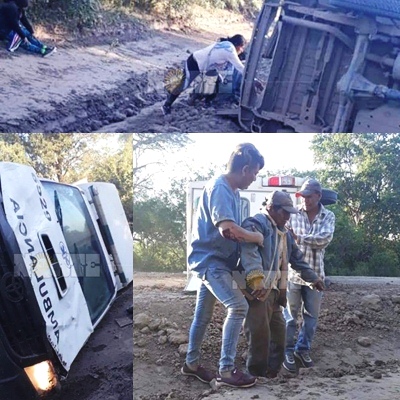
pixel 289 363
pixel 192 99
pixel 166 109
pixel 48 50
pixel 305 359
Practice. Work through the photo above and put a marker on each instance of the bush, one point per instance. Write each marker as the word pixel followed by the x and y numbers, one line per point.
pixel 384 263
pixel 158 258
pixel 81 13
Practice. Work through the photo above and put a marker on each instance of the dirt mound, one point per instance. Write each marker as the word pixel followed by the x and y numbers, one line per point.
pixel 356 350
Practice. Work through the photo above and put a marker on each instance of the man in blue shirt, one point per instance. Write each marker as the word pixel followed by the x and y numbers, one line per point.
pixel 213 256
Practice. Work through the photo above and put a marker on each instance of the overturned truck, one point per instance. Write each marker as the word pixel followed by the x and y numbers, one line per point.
pixel 327 66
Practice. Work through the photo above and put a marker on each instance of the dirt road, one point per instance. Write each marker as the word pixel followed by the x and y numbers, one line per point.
pixel 356 350
pixel 110 88
pixel 103 368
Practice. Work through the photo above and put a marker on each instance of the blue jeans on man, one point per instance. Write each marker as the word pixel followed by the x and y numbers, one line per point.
pixel 218 284
pixel 297 295
pixel 34 45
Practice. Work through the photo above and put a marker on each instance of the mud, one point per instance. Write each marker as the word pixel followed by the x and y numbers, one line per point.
pixel 103 368
pixel 114 87
pixel 356 350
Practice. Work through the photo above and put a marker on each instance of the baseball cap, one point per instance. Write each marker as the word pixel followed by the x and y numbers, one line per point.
pixel 309 186
pixel 282 199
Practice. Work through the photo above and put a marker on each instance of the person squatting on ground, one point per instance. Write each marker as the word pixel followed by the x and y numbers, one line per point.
pixel 214 56
pixel 15 28
pixel 312 229
pixel 266 270
pixel 213 256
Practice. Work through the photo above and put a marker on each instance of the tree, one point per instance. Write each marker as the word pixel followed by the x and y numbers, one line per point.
pixel 55 156
pixel 145 142
pixel 363 168
pixel 72 157
pixel 159 230
pixel 159 224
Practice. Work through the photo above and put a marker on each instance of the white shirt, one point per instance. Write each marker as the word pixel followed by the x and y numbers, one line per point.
pixel 217 55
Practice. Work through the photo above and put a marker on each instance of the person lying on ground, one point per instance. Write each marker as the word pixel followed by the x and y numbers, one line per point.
pixel 17 30
pixel 266 272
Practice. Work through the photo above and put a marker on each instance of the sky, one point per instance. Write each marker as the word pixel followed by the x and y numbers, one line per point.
pixel 281 151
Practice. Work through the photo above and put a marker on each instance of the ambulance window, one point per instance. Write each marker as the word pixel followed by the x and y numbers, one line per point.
pixel 244 208
pixel 84 248
pixel 196 204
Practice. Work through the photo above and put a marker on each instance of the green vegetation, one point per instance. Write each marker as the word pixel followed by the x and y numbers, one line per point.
pixel 363 169
pixel 70 157
pixel 72 14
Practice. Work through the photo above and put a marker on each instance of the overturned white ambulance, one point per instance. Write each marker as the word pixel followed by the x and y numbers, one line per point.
pixel 65 251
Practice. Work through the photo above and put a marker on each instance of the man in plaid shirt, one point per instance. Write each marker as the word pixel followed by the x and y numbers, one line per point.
pixel 312 230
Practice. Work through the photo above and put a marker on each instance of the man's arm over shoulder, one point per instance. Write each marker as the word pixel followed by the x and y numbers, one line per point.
pixel 230 230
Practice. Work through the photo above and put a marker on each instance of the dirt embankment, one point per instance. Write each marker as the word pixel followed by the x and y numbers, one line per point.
pixel 114 87
pixel 356 349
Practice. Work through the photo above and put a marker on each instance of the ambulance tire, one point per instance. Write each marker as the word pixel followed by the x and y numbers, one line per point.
pixel 328 197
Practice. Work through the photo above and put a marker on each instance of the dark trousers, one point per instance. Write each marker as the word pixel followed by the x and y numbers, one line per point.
pixel 193 68
pixel 265 332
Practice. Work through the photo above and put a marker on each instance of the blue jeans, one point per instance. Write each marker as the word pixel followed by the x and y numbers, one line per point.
pixel 297 295
pixel 218 284
pixel 236 82
pixel 34 45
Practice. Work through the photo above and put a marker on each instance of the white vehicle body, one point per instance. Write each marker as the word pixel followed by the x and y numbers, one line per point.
pixel 75 256
pixel 251 202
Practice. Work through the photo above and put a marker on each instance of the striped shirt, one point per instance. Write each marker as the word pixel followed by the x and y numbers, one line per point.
pixel 312 239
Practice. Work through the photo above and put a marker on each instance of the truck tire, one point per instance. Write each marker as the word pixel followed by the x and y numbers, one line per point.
pixel 383 8
pixel 328 197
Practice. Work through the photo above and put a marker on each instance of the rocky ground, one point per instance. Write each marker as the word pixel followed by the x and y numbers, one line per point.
pixel 356 350
pixel 103 368
pixel 112 81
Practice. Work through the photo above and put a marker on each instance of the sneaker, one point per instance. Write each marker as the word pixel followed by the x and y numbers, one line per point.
pixel 305 359
pixel 15 42
pixel 46 51
pixel 166 109
pixel 200 373
pixel 237 379
pixel 289 363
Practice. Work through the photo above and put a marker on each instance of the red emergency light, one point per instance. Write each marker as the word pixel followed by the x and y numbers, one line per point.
pixel 285 180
